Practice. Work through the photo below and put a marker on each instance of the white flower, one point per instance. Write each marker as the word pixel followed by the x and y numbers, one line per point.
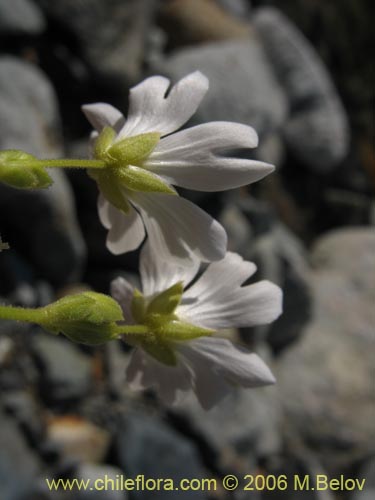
pixel 206 364
pixel 193 158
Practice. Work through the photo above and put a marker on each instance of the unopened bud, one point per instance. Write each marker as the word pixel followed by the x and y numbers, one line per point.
pixel 88 318
pixel 20 170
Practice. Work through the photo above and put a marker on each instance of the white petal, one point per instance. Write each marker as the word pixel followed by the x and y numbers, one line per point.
pixel 234 364
pixel 101 115
pixel 209 386
pixel 193 158
pixel 217 300
pixel 170 381
pixel 150 110
pixel 103 211
pixel 158 274
pixel 178 228
pixel 252 305
pixel 122 291
pixel 126 232
pixel 228 273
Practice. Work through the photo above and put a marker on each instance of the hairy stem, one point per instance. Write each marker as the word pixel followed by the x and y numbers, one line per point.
pixel 21 314
pixel 62 163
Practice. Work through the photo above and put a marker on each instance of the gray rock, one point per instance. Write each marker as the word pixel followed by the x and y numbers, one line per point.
pixel 242 86
pixel 326 380
pixel 149 447
pixel 25 411
pixel 67 371
pixel 21 17
pixel 111 34
pixel 255 233
pixel 19 466
pixel 112 476
pixel 246 422
pixel 271 149
pixel 238 8
pixel 195 22
pixel 28 109
pixel 349 252
pixel 367 471
pixel 317 130
pixel 78 439
pixel 44 225
pixel 297 463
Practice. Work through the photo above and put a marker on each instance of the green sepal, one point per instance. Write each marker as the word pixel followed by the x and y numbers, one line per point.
pixel 161 351
pixel 138 307
pixel 88 318
pixel 139 179
pixel 179 330
pixel 133 150
pixel 111 189
pixel 90 334
pixel 104 142
pixel 165 303
pixel 18 170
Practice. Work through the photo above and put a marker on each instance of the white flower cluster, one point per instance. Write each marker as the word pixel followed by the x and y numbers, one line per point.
pixel 147 156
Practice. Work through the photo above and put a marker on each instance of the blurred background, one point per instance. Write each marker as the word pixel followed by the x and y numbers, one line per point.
pixel 300 72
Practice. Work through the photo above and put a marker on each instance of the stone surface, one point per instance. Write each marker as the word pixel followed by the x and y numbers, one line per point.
pixel 367 471
pixel 19 466
pixel 247 422
pixel 299 463
pixel 317 130
pixel 26 412
pixel 148 446
pixel 326 380
pixel 102 472
pixel 255 233
pixel 43 226
pixel 350 252
pixel 188 22
pixel 28 109
pixel 242 86
pixel 111 35
pixel 20 17
pixel 238 8
pixel 78 439
pixel 67 372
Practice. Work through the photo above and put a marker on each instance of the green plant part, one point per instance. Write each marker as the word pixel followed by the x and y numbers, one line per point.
pixel 20 170
pixel 158 314
pixel 124 172
pixel 88 318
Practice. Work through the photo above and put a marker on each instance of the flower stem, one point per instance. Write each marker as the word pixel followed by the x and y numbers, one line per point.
pixel 140 330
pixel 62 163
pixel 21 314
pixel 39 316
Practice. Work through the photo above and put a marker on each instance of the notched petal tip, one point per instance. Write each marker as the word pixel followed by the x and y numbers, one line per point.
pixel 196 78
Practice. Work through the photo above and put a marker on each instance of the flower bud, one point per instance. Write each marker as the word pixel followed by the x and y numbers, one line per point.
pixel 19 170
pixel 88 318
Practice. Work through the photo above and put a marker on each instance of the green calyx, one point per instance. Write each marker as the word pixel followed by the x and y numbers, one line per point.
pixel 134 150
pixel 88 318
pixel 164 327
pixel 124 172
pixel 22 171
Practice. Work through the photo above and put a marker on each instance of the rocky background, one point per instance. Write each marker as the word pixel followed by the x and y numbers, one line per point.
pixel 299 72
